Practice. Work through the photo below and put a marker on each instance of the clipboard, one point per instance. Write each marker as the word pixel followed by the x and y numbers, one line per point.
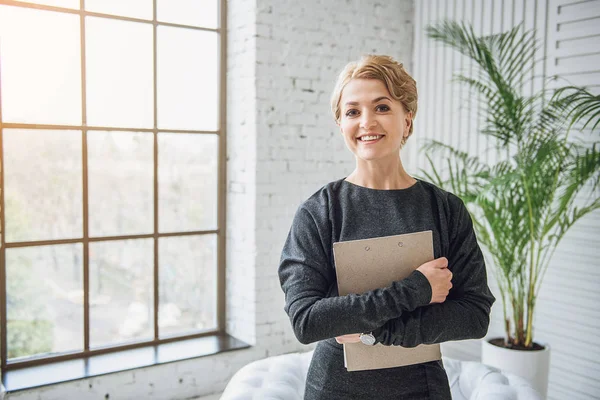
pixel 369 264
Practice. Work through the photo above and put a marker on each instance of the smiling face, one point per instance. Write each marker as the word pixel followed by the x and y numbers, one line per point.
pixel 372 122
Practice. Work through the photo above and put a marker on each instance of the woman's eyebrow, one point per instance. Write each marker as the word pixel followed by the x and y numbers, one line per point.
pixel 354 103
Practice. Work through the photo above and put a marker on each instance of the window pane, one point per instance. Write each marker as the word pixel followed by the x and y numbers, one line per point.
pixel 121 183
pixel 43 183
pixel 187 79
pixel 44 299
pixel 57 3
pixel 187 288
pixel 130 8
pixel 41 66
pixel 121 291
pixel 119 71
pixel 187 182
pixel 188 12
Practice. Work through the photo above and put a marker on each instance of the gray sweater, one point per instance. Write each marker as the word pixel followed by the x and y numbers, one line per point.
pixel 399 314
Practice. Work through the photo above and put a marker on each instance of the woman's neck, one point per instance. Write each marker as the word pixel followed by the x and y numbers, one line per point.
pixel 382 176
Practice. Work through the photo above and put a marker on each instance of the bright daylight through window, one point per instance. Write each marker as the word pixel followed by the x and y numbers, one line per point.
pixel 110 175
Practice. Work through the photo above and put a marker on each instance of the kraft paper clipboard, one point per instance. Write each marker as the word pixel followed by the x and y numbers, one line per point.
pixel 369 264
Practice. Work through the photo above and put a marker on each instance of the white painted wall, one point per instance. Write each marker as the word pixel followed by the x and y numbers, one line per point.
pixel 283 58
pixel 566 313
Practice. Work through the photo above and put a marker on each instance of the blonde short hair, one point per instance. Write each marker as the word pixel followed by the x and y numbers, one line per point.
pixel 399 83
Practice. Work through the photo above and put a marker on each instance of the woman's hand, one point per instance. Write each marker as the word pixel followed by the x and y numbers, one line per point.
pixel 353 338
pixel 439 277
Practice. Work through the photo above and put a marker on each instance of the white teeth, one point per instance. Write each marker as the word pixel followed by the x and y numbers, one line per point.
pixel 369 138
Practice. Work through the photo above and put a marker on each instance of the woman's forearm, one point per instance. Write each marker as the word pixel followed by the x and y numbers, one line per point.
pixel 458 319
pixel 315 317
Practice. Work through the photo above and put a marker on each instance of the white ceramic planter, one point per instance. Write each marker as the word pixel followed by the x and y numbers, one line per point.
pixel 531 365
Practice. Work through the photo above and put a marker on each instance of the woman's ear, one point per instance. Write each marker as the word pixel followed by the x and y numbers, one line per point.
pixel 408 121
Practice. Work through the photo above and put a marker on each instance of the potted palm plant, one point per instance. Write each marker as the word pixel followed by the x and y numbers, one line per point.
pixel 523 205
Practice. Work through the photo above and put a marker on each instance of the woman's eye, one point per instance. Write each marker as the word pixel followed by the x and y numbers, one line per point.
pixel 383 107
pixel 350 113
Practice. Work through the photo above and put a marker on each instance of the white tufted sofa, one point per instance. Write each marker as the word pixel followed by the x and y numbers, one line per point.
pixel 283 377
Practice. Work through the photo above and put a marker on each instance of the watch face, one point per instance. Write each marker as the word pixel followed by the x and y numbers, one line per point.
pixel 367 338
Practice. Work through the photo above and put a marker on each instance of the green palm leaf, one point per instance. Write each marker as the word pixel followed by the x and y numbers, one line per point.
pixel 579 104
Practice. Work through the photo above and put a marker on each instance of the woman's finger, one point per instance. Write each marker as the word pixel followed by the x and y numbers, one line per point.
pixel 352 338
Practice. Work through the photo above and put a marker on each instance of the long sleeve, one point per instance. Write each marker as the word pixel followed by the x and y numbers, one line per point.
pixel 307 277
pixel 465 313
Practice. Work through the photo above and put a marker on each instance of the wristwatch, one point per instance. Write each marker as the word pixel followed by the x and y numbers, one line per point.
pixel 367 338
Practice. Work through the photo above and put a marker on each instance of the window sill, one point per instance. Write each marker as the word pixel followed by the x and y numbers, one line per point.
pixel 64 371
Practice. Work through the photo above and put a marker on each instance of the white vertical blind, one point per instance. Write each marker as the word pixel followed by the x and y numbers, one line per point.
pixel 567 316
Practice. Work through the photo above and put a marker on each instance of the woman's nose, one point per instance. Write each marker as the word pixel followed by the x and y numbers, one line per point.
pixel 367 120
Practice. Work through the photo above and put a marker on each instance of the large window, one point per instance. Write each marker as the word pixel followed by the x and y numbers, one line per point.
pixel 111 189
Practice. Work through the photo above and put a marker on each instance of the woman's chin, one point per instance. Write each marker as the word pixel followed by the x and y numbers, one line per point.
pixel 374 154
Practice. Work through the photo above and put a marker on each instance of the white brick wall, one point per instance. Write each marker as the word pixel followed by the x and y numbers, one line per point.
pixel 300 49
pixel 241 169
pixel 282 145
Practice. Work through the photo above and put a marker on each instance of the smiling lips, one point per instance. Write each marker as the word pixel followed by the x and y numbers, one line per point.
pixel 368 139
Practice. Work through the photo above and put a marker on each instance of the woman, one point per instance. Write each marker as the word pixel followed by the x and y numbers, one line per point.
pixel 374 103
